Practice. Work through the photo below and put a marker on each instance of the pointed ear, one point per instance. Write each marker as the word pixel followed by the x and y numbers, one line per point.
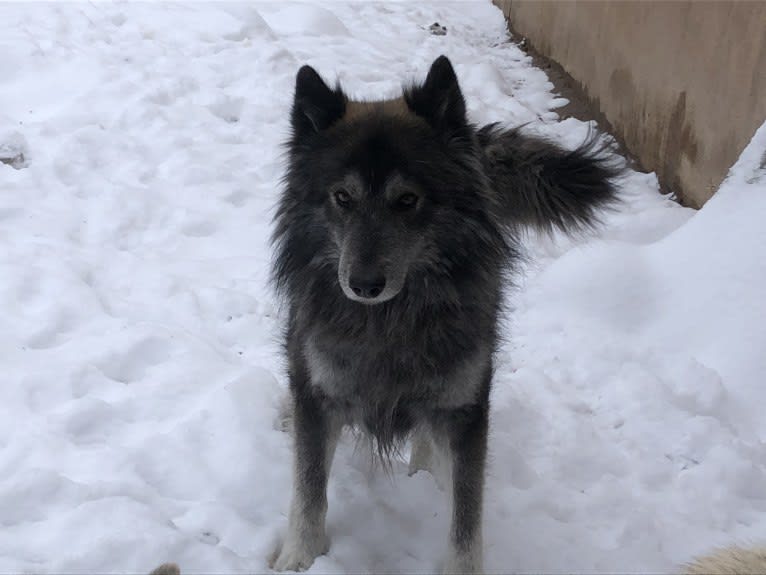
pixel 439 100
pixel 315 107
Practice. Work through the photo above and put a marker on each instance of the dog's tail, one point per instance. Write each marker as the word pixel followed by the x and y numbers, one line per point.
pixel 545 186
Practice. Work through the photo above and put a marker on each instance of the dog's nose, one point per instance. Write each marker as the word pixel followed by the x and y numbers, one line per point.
pixel 367 286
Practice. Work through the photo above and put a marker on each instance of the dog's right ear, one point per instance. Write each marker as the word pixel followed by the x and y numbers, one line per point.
pixel 315 107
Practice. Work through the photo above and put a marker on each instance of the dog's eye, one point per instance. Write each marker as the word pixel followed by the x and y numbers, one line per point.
pixel 342 198
pixel 406 201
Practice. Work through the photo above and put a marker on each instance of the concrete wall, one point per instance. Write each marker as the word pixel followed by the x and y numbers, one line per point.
pixel 683 83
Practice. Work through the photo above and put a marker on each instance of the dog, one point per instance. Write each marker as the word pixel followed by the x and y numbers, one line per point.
pixel 731 560
pixel 166 569
pixel 393 238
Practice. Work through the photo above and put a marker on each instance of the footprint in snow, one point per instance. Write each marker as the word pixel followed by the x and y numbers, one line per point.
pixel 200 229
pixel 227 109
pixel 51 334
pixel 209 537
pixel 238 198
pixel 131 365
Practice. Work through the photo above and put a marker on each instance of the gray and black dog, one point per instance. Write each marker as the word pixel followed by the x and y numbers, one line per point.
pixel 394 235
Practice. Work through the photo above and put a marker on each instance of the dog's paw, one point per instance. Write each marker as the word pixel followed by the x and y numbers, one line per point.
pixel 463 563
pixel 427 455
pixel 298 555
pixel 284 419
pixel 421 457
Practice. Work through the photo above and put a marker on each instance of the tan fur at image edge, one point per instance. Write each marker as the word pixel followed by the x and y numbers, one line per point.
pixel 729 561
pixel 166 569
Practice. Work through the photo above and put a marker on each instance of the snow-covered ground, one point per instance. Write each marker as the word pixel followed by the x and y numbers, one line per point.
pixel 139 340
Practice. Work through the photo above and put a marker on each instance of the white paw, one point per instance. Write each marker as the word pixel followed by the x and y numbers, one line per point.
pixel 284 419
pixel 421 456
pixel 298 555
pixel 427 455
pixel 459 563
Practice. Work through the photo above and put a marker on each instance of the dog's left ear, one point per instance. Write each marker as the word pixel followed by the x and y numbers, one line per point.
pixel 439 100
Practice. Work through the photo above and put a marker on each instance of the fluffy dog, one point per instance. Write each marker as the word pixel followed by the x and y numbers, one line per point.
pixel 394 234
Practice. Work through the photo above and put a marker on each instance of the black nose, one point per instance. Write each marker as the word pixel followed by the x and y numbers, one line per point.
pixel 367 286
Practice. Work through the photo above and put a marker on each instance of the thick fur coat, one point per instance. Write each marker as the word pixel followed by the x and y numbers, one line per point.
pixel 394 236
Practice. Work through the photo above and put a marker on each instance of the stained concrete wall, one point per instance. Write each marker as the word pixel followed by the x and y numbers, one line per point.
pixel 683 83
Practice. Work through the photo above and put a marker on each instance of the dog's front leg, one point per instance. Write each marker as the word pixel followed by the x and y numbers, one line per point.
pixel 421 458
pixel 316 434
pixel 467 437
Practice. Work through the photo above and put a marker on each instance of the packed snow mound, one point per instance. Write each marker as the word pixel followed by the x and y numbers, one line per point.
pixel 658 347
pixel 306 20
pixel 143 377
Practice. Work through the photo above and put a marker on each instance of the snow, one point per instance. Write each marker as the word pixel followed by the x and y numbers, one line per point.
pixel 139 411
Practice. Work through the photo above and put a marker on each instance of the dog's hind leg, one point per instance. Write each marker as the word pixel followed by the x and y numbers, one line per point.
pixel 466 433
pixel 316 434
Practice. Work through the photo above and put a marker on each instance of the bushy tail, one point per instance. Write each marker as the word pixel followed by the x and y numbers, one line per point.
pixel 545 186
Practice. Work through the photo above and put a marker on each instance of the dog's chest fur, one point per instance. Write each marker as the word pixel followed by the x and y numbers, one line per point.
pixel 381 374
pixel 357 375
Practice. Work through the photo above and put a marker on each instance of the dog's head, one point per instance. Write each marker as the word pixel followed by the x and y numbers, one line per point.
pixel 382 177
